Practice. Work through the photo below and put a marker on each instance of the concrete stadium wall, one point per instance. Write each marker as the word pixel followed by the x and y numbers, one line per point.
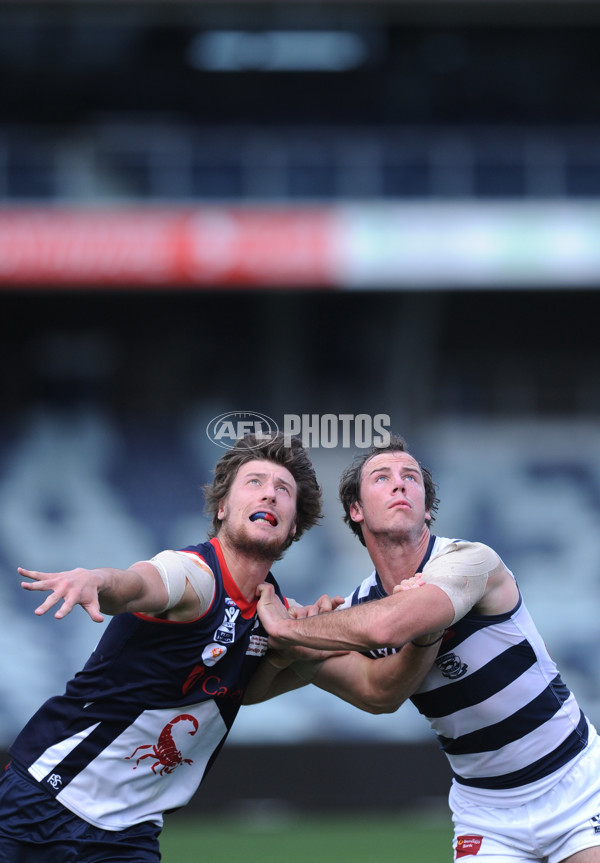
pixel 263 782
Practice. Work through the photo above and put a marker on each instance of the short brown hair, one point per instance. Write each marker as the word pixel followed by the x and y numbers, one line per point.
pixel 349 490
pixel 287 452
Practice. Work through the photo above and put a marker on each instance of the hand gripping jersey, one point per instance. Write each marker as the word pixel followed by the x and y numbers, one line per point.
pixel 138 728
pixel 494 697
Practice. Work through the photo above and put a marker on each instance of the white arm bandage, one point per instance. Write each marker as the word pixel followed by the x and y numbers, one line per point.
pixel 176 568
pixel 462 570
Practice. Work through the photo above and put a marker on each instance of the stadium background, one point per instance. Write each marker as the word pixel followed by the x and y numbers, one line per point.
pixel 296 207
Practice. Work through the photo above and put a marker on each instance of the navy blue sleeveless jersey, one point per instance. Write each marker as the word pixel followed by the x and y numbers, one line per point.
pixel 139 726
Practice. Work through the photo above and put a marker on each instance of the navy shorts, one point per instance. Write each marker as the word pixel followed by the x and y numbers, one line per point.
pixel 34 828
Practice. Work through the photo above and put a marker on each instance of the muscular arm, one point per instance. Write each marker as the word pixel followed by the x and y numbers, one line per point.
pixel 276 675
pixel 377 685
pixel 391 621
pixel 373 685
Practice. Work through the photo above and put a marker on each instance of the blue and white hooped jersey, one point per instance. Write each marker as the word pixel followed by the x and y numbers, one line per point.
pixel 494 697
pixel 139 726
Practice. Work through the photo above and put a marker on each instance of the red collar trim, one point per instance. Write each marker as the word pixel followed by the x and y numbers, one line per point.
pixel 248 609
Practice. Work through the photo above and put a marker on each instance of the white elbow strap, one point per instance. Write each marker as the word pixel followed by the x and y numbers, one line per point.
pixel 462 570
pixel 176 568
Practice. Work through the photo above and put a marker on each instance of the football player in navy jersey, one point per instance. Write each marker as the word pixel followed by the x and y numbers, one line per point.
pixel 137 729
pixel 525 759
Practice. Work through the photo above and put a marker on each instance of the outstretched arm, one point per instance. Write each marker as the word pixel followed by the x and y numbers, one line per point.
pixel 105 590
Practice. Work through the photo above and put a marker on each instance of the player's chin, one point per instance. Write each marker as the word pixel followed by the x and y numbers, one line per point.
pixel 272 545
pixel 273 540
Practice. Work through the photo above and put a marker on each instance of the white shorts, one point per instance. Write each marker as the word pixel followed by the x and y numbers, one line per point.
pixel 563 820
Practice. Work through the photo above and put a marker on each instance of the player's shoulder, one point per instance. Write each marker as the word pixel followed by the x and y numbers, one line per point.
pixel 204 552
pixel 462 547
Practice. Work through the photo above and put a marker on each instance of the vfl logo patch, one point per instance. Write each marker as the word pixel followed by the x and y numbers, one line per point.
pixel 451 666
pixel 468 845
pixel 225 634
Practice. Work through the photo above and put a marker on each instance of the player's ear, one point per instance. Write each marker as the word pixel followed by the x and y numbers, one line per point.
pixel 356 513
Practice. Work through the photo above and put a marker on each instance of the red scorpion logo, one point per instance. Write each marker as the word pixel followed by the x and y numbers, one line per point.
pixel 165 752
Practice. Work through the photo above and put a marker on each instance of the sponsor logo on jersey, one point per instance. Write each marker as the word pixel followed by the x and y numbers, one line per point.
pixel 211 684
pixel 595 819
pixel 212 653
pixel 257 646
pixel 195 675
pixel 468 845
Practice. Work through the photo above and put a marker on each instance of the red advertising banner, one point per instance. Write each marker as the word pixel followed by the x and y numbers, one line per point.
pixel 166 246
